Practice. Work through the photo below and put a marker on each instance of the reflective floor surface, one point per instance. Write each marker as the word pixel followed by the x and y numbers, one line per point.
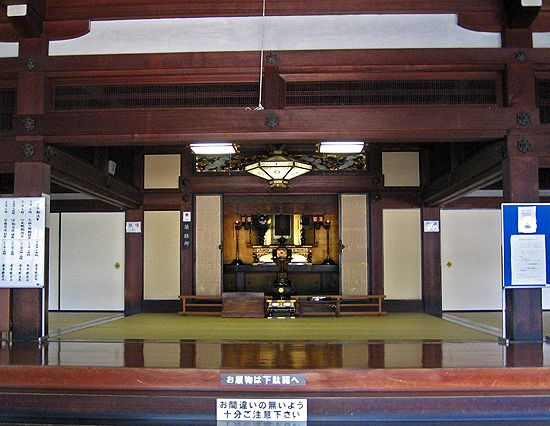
pixel 275 355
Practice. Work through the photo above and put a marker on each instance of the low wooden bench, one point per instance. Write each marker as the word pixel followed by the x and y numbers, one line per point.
pixel 201 305
pixel 370 304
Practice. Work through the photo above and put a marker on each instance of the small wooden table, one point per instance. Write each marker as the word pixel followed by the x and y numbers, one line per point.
pixel 243 305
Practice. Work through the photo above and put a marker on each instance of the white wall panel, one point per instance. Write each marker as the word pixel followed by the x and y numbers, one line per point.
pixel 91 246
pixel 161 171
pixel 402 254
pixel 401 168
pixel 382 31
pixel 161 254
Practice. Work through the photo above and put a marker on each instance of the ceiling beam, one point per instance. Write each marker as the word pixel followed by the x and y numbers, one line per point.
pixel 478 171
pixel 77 175
pixel 26 18
pixel 378 124
pixel 521 13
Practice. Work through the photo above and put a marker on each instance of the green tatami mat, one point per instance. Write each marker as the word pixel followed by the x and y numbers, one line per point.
pixel 58 320
pixel 394 326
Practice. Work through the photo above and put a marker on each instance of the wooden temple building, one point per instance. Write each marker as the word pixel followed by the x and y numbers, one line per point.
pixel 104 107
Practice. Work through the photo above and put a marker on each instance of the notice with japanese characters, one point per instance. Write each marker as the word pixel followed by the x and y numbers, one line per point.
pixel 528 259
pixel 22 243
pixel 261 410
pixel 527 219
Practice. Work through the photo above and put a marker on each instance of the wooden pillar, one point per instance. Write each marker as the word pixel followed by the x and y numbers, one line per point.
pixel 30 180
pixel 133 267
pixel 521 175
pixel 187 253
pixel 521 184
pixel 431 264
pixel 374 224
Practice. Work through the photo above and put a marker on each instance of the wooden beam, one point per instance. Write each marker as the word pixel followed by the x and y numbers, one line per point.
pixel 131 9
pixel 480 170
pixel 307 184
pixel 518 15
pixel 77 175
pixel 174 126
pixel 28 23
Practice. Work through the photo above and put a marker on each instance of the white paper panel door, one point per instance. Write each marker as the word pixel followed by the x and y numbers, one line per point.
pixel 53 283
pixel 92 261
pixel 470 259
pixel 353 228
pixel 208 240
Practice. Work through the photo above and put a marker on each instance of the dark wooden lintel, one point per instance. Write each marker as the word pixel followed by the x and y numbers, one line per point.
pixel 519 16
pixel 161 126
pixel 75 174
pixel 29 25
pixel 480 170
pixel 307 184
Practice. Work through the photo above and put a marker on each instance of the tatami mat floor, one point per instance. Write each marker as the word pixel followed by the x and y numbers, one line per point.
pixel 393 326
pixel 489 321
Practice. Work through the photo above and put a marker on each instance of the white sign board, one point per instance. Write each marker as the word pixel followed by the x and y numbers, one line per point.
pixel 261 410
pixel 528 257
pixel 23 242
pixel 133 227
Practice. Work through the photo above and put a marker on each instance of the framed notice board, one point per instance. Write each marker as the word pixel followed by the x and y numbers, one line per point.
pixel 525 245
pixel 22 242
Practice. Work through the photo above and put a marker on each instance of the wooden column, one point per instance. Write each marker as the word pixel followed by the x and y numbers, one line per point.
pixel 376 245
pixel 521 184
pixel 521 175
pixel 187 254
pixel 30 180
pixel 431 264
pixel 133 267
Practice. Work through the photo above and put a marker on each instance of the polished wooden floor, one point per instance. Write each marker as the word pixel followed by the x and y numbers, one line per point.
pixel 147 381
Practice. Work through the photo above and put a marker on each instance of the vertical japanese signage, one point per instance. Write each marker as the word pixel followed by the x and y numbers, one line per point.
pixel 187 230
pixel 525 245
pixel 22 244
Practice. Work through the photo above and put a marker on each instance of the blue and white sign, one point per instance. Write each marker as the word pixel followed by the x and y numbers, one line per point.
pixel 525 245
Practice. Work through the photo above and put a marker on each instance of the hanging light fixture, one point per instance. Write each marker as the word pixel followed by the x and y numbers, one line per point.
pixel 278 169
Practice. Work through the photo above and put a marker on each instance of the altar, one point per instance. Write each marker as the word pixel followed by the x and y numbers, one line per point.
pixel 307 279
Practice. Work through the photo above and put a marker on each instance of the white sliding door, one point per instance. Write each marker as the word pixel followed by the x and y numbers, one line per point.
pixel 470 259
pixel 53 279
pixel 92 261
